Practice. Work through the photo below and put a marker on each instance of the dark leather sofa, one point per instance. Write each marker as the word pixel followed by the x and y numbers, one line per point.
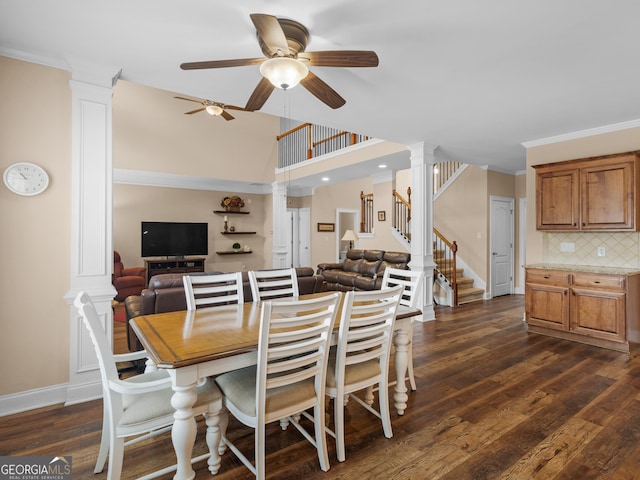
pixel 165 293
pixel 361 269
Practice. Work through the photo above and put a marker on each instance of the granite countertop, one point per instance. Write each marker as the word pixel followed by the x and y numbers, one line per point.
pixel 586 268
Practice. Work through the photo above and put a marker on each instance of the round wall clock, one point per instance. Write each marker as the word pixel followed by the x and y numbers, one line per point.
pixel 26 178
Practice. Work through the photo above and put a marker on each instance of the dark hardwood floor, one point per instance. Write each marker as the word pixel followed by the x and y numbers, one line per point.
pixel 493 402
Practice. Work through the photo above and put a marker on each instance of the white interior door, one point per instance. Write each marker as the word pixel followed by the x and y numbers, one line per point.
pixel 304 237
pixel 299 237
pixel 501 245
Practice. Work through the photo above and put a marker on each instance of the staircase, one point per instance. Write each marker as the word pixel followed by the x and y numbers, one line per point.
pixel 466 292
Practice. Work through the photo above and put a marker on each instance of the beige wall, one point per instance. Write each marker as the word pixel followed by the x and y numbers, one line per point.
pixel 134 204
pixel 346 195
pixel 152 133
pixel 35 126
pixel 521 193
pixel 622 248
pixel 461 214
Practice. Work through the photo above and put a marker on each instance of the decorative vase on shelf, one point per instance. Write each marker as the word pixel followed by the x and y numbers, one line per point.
pixel 232 204
pixel 236 247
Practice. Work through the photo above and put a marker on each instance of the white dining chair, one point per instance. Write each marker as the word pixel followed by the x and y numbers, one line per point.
pixel 289 377
pixel 140 406
pixel 269 284
pixel 213 290
pixel 360 360
pixel 411 281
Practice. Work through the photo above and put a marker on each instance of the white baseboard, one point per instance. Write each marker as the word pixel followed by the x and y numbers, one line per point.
pixel 44 397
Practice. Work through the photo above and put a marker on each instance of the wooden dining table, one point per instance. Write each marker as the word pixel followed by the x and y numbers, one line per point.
pixel 195 344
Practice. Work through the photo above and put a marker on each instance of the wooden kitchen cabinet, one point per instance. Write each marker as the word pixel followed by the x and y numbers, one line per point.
pixel 600 309
pixel 595 194
pixel 547 299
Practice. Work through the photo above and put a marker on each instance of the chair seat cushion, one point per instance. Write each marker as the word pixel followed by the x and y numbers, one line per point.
pixel 239 388
pixel 353 374
pixel 144 407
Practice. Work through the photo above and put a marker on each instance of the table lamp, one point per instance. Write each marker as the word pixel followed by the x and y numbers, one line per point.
pixel 350 236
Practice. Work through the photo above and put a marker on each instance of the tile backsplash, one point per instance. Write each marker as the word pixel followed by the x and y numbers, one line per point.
pixel 621 249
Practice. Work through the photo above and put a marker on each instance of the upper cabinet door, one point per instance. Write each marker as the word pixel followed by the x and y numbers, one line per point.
pixel 596 194
pixel 608 196
pixel 557 199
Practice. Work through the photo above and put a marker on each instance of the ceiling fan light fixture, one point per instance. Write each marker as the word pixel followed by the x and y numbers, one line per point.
pixel 214 110
pixel 284 72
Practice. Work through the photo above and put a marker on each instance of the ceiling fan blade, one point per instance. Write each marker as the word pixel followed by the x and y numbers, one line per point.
pixel 226 115
pixel 259 95
pixel 271 33
pixel 195 111
pixel 341 58
pixel 322 91
pixel 238 62
pixel 234 107
pixel 188 99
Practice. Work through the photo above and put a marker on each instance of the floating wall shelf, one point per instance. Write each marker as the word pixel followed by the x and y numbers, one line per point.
pixel 225 212
pixel 238 233
pixel 232 252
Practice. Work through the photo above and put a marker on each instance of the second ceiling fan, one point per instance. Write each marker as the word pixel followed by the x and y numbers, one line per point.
pixel 283 43
pixel 212 108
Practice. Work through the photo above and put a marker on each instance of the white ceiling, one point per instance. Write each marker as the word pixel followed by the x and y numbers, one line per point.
pixel 473 78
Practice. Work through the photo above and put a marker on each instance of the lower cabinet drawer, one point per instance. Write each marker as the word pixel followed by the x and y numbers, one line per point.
pixel 546 277
pixel 598 281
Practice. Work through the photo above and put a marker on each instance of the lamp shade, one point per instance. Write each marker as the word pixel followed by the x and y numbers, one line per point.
pixel 350 235
pixel 284 72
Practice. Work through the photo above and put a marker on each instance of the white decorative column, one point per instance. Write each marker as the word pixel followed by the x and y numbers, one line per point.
pixel 91 219
pixel 422 161
pixel 280 248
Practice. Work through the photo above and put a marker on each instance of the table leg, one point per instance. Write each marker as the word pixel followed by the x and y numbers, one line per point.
pixel 184 429
pixel 401 344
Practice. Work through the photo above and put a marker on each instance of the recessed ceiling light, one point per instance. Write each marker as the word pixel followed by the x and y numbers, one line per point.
pixel 382 166
pixel 325 179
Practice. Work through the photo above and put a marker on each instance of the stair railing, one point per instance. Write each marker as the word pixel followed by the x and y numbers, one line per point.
pixel 401 214
pixel 366 212
pixel 307 141
pixel 446 261
pixel 442 172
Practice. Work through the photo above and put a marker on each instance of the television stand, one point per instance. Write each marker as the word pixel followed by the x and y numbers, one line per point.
pixel 177 265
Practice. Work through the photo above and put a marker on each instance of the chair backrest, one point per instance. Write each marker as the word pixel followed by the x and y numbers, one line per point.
pixel 293 345
pixel 106 360
pixel 411 282
pixel 213 290
pixel 268 284
pixel 366 329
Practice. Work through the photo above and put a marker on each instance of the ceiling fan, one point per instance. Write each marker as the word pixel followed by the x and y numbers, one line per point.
pixel 283 42
pixel 212 108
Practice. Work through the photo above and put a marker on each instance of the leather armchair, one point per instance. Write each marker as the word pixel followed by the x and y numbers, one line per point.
pixel 127 281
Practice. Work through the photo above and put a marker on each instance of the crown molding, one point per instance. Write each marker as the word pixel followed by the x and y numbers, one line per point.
pixel 168 180
pixel 615 127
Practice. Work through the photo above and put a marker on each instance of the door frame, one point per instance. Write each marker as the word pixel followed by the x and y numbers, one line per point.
pixel 338 228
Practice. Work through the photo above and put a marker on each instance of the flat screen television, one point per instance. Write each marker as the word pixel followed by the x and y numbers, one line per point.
pixel 174 239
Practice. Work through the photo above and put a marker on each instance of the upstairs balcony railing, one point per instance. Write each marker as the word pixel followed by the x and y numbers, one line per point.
pixel 307 141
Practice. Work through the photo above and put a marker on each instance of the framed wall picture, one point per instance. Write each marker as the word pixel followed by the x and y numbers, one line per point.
pixel 326 227
pixel 382 216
